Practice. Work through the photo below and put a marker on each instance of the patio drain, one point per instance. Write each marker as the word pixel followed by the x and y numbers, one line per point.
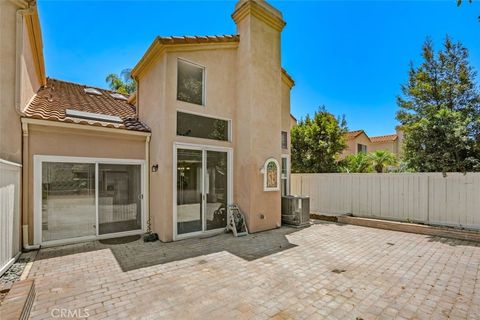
pixel 339 270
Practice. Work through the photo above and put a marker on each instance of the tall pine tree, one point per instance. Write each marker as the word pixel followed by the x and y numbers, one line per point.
pixel 440 112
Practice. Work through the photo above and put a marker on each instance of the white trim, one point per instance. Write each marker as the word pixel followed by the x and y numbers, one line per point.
pixel 97 178
pixel 204 82
pixel 37 196
pixel 204 149
pixel 286 156
pixel 264 171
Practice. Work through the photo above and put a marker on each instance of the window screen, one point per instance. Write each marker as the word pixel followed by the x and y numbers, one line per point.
pixel 189 82
pixel 193 125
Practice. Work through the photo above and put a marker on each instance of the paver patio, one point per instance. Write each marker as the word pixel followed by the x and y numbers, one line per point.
pixel 325 271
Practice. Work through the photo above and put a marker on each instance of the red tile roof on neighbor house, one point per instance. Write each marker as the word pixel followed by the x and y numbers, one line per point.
pixel 353 134
pixel 385 138
pixel 53 100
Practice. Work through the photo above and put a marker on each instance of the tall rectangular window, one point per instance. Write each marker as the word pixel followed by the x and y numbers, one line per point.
pixel 284 140
pixel 193 125
pixel 190 83
pixel 284 176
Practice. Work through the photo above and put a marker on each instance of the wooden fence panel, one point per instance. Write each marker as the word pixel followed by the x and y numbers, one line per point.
pixel 453 200
pixel 9 213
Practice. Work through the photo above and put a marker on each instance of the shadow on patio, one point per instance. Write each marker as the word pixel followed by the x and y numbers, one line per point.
pixel 132 253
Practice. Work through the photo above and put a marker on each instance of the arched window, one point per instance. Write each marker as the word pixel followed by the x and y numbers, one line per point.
pixel 271 175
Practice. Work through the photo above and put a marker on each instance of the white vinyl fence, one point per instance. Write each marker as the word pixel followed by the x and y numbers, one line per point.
pixel 428 198
pixel 10 174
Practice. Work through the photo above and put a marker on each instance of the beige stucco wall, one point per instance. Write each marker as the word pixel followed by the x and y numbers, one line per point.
pixel 352 144
pixel 387 145
pixel 243 84
pixel 55 141
pixel 158 106
pixel 259 120
pixel 10 127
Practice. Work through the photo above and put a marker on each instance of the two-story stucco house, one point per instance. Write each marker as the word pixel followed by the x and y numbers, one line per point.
pixel 208 127
pixel 358 141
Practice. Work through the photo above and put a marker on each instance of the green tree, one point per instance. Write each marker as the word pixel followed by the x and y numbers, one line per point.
pixel 380 159
pixel 122 83
pixel 317 142
pixel 356 163
pixel 440 112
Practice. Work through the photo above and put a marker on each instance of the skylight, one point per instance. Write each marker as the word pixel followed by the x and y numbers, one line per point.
pixel 118 96
pixel 92 116
pixel 92 91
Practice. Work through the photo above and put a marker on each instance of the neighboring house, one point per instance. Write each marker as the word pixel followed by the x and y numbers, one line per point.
pixel 209 126
pixel 359 141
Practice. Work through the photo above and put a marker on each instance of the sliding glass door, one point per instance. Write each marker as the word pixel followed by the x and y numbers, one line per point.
pixel 119 198
pixel 189 190
pixel 68 200
pixel 87 198
pixel 202 194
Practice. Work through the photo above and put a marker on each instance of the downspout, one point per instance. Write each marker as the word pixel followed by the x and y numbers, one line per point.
pixel 25 189
pixel 147 184
pixel 20 14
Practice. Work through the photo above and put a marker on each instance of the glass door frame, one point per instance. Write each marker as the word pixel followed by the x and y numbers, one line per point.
pixel 204 149
pixel 37 196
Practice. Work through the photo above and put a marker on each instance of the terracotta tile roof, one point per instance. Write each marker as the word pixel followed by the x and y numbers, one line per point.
pixel 52 101
pixel 289 77
pixel 353 134
pixel 389 137
pixel 198 39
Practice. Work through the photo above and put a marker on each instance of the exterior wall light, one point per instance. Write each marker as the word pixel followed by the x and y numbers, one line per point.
pixel 155 168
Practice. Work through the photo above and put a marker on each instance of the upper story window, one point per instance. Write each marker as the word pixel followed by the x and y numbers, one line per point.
pixel 193 125
pixel 190 82
pixel 284 140
pixel 361 148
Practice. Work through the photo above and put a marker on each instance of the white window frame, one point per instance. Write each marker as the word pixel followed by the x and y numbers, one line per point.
pixel 37 196
pixel 204 82
pixel 204 148
pixel 264 171
pixel 287 174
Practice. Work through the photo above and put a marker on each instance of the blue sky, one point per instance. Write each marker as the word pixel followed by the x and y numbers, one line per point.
pixel 350 56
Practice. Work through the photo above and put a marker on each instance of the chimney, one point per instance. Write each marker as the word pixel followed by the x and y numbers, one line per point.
pixel 257 134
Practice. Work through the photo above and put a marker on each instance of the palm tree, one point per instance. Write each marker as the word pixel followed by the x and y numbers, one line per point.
pixel 380 159
pixel 122 83
pixel 357 163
